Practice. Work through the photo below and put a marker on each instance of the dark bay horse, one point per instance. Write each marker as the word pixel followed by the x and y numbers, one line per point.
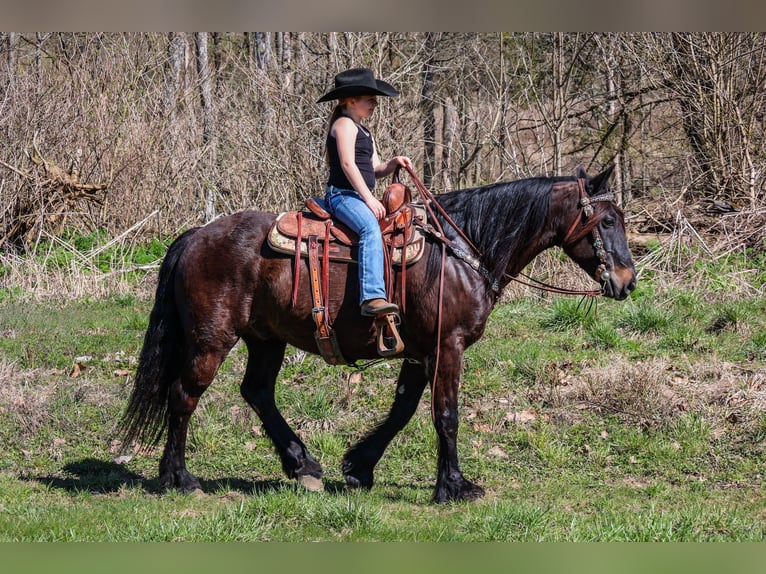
pixel 221 283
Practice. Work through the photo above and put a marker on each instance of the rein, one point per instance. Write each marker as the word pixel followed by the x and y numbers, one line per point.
pixel 474 260
pixel 586 210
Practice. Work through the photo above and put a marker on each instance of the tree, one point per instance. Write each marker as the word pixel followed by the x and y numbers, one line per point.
pixel 209 141
pixel 11 40
pixel 427 107
pixel 718 82
pixel 195 125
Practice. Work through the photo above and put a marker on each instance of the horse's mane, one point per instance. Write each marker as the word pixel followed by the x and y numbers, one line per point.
pixel 499 219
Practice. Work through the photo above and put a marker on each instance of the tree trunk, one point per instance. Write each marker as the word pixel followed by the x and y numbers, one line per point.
pixel 39 40
pixel 217 61
pixel 557 121
pixel 427 109
pixel 10 39
pixel 610 67
pixel 173 69
pixel 208 124
pixel 449 127
pixel 299 64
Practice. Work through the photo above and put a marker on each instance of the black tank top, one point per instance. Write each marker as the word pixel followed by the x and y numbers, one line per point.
pixel 362 156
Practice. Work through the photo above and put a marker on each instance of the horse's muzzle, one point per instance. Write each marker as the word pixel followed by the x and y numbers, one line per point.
pixel 620 284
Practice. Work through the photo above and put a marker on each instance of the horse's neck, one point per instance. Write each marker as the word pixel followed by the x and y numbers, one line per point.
pixel 534 247
pixel 532 230
pixel 547 236
pixel 535 241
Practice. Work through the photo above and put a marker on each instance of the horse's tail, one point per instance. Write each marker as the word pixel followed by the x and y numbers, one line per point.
pixel 159 364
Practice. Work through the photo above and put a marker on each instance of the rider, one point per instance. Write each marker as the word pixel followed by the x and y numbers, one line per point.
pixel 354 166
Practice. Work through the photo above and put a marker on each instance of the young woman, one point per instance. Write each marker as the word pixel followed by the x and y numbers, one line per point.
pixel 354 167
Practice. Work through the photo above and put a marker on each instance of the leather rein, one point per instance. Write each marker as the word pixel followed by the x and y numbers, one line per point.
pixel 474 260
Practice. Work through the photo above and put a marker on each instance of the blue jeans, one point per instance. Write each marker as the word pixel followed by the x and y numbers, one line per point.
pixel 348 206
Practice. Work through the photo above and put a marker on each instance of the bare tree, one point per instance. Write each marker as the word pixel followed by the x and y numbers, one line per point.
pixel 11 39
pixel 263 49
pixel 427 107
pixel 209 141
pixel 173 70
pixel 449 131
pixel 717 81
pixel 191 126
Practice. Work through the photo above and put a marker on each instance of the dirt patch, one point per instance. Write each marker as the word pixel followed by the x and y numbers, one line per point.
pixel 22 396
pixel 655 390
pixel 33 397
pixel 648 393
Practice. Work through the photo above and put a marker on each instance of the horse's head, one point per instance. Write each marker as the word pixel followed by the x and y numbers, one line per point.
pixel 594 236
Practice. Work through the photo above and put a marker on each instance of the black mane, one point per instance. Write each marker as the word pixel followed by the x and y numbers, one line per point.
pixel 499 219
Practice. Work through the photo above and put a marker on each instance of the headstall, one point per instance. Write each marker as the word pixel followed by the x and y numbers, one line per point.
pixel 586 210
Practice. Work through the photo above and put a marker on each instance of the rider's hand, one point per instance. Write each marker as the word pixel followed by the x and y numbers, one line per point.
pixel 403 161
pixel 376 207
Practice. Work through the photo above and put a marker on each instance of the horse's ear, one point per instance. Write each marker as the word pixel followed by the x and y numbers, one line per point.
pixel 599 182
pixel 580 172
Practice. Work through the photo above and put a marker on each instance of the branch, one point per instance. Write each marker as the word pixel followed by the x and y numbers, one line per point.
pixel 19 172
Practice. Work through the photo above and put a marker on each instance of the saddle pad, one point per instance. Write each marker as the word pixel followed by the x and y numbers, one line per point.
pixel 343 242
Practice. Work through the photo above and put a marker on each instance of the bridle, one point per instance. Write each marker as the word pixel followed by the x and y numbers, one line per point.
pixel 602 275
pixel 586 211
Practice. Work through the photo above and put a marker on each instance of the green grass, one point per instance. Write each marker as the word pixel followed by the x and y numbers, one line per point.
pixel 96 251
pixel 635 421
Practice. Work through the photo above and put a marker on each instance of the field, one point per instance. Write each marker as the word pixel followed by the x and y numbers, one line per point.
pixel 636 421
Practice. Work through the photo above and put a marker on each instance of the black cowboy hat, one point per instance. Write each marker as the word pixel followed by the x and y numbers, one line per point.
pixel 358 82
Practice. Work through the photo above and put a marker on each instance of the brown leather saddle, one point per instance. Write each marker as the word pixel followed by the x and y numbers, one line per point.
pixel 314 234
pixel 402 238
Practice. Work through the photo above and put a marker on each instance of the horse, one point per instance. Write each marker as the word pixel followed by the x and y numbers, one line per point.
pixel 221 283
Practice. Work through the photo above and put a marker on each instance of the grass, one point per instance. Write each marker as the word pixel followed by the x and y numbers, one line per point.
pixel 601 456
pixel 636 421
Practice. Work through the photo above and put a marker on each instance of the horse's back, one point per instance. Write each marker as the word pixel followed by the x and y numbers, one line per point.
pixel 221 267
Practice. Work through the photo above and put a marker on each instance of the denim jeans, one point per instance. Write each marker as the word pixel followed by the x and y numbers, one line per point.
pixel 348 206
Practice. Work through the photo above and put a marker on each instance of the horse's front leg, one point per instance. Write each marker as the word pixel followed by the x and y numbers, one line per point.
pixel 263 365
pixel 450 483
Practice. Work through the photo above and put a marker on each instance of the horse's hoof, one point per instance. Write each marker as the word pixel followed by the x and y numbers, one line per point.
pixel 465 491
pixel 356 483
pixel 183 481
pixel 310 483
pixel 359 479
pixel 472 492
pixel 357 476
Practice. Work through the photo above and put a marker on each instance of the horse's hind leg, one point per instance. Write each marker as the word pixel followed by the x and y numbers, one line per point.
pixel 183 397
pixel 360 460
pixel 263 365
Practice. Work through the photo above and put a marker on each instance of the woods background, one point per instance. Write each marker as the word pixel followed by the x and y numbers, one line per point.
pixel 109 131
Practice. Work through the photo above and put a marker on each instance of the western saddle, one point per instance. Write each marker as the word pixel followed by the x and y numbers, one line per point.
pixel 314 234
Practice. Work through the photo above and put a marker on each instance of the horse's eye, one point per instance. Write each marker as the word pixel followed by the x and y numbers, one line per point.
pixel 608 221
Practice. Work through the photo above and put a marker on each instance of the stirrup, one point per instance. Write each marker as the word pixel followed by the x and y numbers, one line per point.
pixel 389 341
